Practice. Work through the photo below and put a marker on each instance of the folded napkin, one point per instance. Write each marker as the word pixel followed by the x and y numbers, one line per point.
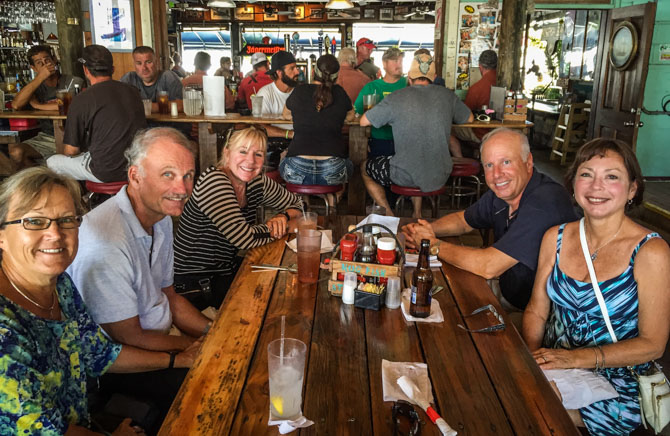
pixel 580 387
pixel 411 259
pixel 417 372
pixel 326 242
pixel 286 426
pixel 388 221
pixel 435 311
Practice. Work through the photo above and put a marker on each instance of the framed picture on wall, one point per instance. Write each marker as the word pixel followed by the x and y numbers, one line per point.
pixel 220 14
pixel 369 13
pixel 112 25
pixel 298 13
pixel 386 14
pixel 316 14
pixel 245 13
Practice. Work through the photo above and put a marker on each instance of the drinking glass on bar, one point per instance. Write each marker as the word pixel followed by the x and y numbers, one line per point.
pixel 192 102
pixel 369 101
pixel 163 103
pixel 286 369
pixel 64 98
pixel 309 255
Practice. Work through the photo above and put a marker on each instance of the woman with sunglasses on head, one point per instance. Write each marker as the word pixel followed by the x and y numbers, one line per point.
pixel 317 154
pixel 219 218
pixel 48 342
pixel 564 324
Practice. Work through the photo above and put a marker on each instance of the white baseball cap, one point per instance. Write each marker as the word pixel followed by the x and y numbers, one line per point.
pixel 257 58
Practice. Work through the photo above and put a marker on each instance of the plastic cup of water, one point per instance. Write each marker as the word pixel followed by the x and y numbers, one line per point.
pixel 286 374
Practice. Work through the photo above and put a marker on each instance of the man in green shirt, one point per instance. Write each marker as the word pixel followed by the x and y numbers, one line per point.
pixel 381 139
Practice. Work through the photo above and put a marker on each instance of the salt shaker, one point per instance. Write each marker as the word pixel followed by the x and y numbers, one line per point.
pixel 349 287
pixel 174 111
pixel 393 293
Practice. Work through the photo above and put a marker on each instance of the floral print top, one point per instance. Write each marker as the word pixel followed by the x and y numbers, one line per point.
pixel 44 364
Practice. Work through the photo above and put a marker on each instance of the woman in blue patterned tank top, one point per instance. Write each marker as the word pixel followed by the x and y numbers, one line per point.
pixel 563 324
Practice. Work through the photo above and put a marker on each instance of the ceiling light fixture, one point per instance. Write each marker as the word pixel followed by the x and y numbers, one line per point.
pixel 339 4
pixel 224 4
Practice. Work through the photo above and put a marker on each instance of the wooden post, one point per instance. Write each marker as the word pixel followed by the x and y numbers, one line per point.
pixel 511 46
pixel 70 36
pixel 440 8
pixel 159 15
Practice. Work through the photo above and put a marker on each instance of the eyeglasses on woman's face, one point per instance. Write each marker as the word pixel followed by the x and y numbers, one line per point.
pixel 43 223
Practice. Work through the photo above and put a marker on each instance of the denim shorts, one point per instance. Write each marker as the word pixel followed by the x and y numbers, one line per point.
pixel 331 171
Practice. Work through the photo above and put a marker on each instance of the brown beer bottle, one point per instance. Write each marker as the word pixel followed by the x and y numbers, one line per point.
pixel 422 283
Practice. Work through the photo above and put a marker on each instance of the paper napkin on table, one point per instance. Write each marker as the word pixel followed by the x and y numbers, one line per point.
pixel 388 221
pixel 417 372
pixel 411 259
pixel 326 242
pixel 580 387
pixel 435 311
pixel 286 426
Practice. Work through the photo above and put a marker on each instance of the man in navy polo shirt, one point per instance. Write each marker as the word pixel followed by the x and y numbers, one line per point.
pixel 521 205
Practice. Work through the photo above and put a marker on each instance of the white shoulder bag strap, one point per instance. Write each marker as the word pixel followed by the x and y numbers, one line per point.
pixel 594 280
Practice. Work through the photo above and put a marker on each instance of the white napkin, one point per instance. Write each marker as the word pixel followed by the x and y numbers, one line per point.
pixel 388 221
pixel 326 242
pixel 286 426
pixel 411 259
pixel 435 311
pixel 417 372
pixel 580 387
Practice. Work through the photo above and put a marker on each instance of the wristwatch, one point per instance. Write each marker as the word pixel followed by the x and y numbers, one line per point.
pixel 435 248
pixel 288 217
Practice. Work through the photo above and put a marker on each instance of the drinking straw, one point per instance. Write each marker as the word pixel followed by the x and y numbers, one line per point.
pixel 70 84
pixel 254 90
pixel 281 344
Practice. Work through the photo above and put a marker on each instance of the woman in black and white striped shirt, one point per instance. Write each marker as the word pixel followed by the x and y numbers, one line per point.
pixel 218 219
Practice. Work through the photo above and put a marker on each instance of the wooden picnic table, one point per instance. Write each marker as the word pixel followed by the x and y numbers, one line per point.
pixel 208 127
pixel 483 383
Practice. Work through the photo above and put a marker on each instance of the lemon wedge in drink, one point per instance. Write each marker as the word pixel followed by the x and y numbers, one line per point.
pixel 278 404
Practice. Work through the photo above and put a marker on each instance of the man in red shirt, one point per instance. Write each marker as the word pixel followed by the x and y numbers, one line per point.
pixel 478 95
pixel 255 81
pixel 349 78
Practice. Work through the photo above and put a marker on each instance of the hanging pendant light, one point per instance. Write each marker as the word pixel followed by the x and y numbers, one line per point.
pixel 339 4
pixel 223 4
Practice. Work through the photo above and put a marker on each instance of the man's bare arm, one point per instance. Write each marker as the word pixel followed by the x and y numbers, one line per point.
pixel 26 94
pixel 184 315
pixel 130 332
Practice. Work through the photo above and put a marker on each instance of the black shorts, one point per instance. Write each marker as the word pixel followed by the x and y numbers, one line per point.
pixel 379 169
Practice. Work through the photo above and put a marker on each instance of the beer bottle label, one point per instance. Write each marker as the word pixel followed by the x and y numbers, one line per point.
pixel 413 294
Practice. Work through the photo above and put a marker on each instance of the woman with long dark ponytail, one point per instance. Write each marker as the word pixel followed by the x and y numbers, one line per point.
pixel 317 154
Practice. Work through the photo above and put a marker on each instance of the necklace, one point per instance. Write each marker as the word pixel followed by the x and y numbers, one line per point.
pixel 594 255
pixel 53 297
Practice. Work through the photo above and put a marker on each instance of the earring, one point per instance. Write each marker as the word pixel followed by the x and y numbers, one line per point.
pixel 630 201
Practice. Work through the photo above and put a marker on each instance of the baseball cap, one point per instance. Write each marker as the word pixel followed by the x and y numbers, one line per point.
pixel 257 58
pixel 422 66
pixel 97 58
pixel 280 60
pixel 366 42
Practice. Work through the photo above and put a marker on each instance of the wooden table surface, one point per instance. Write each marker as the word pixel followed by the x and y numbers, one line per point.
pixel 483 383
pixel 208 127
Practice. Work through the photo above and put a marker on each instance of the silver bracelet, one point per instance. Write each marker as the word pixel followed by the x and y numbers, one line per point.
pixel 596 353
pixel 602 358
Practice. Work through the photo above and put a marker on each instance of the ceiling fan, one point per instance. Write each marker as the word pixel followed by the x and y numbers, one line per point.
pixel 420 11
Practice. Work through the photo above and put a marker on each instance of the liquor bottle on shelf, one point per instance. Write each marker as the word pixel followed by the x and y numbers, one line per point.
pixel 422 283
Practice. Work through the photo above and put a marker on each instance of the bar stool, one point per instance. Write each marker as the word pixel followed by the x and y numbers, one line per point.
pixel 404 191
pixel 321 191
pixel 465 169
pixel 108 189
pixel 274 175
